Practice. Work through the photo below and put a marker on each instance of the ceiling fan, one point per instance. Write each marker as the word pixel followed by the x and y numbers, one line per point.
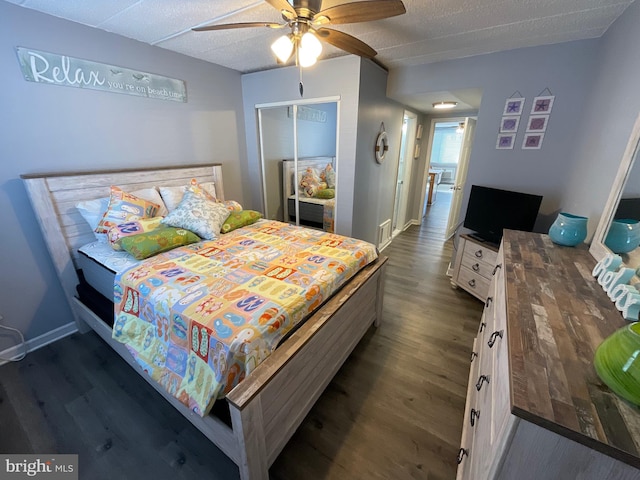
pixel 307 21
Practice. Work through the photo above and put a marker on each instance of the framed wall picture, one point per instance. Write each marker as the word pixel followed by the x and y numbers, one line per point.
pixel 419 133
pixel 537 123
pixel 509 124
pixel 416 151
pixel 505 141
pixel 542 105
pixel 513 106
pixel 532 141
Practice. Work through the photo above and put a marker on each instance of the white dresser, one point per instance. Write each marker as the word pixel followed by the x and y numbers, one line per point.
pixel 535 407
pixel 474 264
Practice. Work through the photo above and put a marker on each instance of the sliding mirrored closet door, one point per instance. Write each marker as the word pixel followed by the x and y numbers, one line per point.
pixel 298 144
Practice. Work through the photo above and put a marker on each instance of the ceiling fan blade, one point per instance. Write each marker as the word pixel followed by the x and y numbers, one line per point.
pixel 346 42
pixel 228 26
pixel 365 11
pixel 283 6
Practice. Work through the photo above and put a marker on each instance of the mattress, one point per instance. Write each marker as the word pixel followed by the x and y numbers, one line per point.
pixel 100 263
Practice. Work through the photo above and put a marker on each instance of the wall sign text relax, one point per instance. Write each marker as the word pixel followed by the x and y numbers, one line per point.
pixel 54 69
pixel 614 280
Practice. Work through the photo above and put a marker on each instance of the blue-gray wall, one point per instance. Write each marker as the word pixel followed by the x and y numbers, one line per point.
pixel 51 128
pixel 611 108
pixel 566 69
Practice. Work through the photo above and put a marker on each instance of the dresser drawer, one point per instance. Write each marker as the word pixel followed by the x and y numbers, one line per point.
pixel 472 282
pixel 477 265
pixel 480 252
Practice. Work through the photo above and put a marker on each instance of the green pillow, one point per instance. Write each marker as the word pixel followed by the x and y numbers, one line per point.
pixel 157 241
pixel 240 219
pixel 326 193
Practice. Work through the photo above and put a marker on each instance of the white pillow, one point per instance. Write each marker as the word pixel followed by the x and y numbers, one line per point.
pixel 172 196
pixel 92 211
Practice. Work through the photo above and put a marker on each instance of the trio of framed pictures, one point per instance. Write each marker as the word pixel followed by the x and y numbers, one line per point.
pixel 536 122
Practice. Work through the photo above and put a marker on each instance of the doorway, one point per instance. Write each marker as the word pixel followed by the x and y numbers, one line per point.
pixel 450 142
pixel 403 176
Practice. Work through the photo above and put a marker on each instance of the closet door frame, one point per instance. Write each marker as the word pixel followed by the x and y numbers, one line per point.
pixel 261 145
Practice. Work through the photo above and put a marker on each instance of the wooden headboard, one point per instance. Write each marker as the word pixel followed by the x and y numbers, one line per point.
pixel 54 196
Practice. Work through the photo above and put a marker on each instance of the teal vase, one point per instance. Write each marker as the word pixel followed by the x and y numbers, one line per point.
pixel 568 229
pixel 617 362
pixel 623 235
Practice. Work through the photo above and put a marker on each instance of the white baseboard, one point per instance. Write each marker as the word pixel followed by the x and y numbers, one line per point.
pixel 39 342
pixel 384 245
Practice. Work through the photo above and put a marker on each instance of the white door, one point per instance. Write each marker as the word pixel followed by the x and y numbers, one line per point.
pixel 461 176
pixel 403 179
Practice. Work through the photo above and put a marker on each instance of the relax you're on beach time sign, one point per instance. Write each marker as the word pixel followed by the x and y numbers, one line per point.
pixel 55 69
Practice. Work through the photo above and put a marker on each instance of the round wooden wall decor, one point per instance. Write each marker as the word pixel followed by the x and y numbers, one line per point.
pixel 382 145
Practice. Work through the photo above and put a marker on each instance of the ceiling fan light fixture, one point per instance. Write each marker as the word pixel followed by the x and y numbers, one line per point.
pixel 283 47
pixel 309 50
pixel 444 105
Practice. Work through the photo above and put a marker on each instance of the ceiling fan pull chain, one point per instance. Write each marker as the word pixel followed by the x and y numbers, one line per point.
pixel 301 86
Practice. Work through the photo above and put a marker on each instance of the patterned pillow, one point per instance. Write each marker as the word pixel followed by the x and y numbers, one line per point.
pixel 310 182
pixel 145 245
pixel 172 196
pixel 240 219
pixel 134 227
pixel 328 176
pixel 198 214
pixel 232 205
pixel 124 207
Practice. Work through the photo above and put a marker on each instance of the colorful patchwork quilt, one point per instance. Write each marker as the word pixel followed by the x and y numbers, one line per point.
pixel 199 318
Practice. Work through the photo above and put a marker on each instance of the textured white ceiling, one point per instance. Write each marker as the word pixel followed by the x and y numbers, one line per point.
pixel 430 31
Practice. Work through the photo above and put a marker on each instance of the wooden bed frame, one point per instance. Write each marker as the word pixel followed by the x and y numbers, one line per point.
pixel 267 407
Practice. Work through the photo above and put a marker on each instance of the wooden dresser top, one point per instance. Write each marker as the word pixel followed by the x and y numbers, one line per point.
pixel 557 316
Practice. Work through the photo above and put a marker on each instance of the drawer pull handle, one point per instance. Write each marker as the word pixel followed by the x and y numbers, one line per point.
pixel 487 304
pixel 475 267
pixel 463 452
pixel 494 336
pixel 472 282
pixel 478 254
pixel 481 380
pixel 475 415
pixel 473 356
pixel 482 325
pixel 496 268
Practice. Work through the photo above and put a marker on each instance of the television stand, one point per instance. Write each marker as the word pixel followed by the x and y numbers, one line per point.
pixel 474 265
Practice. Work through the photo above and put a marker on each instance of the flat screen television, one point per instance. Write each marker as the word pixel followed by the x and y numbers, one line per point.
pixel 490 210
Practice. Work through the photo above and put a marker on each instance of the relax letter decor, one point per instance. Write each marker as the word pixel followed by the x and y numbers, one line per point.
pixel 55 69
pixel 614 280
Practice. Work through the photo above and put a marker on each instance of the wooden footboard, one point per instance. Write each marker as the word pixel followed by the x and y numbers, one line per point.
pixel 267 409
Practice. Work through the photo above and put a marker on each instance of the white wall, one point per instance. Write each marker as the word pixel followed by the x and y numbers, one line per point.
pixel 48 128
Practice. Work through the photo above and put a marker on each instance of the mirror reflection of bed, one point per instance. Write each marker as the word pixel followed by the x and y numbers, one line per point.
pixel 316 181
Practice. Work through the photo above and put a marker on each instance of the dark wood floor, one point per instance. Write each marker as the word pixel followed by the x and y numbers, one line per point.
pixel 394 411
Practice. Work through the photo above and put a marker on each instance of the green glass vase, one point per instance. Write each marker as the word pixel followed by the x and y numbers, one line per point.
pixel 617 362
